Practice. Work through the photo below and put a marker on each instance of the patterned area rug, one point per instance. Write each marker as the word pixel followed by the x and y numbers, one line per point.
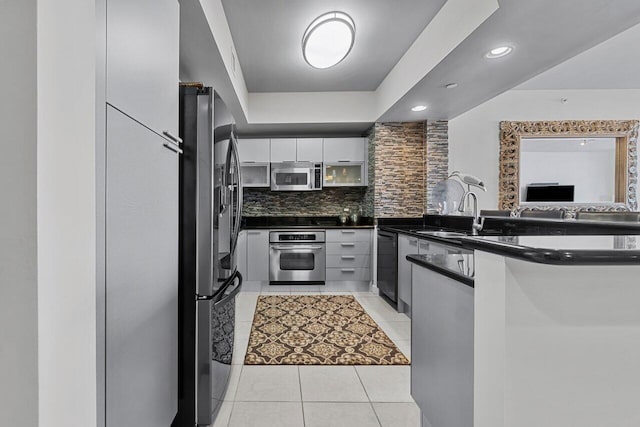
pixel 317 330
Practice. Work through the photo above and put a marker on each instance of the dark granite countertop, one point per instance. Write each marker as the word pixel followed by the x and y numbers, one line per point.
pixel 562 250
pixel 458 267
pixel 414 231
pixel 302 222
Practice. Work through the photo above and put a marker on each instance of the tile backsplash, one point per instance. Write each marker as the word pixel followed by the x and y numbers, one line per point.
pixel 327 202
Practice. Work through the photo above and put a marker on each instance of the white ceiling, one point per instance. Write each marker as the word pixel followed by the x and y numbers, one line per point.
pixel 613 64
pixel 387 73
pixel 544 33
pixel 268 38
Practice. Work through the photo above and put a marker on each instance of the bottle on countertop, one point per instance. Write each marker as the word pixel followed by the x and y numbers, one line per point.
pixel 355 215
pixel 344 216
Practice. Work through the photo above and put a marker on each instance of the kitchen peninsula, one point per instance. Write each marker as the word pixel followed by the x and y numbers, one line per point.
pixel 550 325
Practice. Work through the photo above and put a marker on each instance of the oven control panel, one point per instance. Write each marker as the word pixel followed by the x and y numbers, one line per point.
pixel 294 237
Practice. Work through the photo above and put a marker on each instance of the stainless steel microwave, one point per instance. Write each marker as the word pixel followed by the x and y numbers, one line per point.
pixel 296 176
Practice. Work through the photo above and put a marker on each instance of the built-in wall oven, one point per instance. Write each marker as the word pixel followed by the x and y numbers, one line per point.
pixel 297 257
pixel 296 176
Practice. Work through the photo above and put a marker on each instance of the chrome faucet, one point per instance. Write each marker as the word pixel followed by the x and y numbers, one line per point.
pixel 478 222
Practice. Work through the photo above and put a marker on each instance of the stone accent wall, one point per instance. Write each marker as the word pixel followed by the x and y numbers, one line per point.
pixel 327 202
pixel 399 186
pixel 437 157
pixel 369 195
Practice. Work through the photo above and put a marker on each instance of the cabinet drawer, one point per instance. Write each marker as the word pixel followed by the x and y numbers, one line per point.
pixel 348 248
pixel 347 273
pixel 349 261
pixel 349 235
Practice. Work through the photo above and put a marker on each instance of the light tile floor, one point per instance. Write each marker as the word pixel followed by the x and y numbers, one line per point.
pixel 319 396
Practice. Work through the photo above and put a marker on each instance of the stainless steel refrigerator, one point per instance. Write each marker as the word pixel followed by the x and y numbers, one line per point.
pixel 210 215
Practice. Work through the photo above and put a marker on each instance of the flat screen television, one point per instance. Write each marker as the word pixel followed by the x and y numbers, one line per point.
pixel 550 193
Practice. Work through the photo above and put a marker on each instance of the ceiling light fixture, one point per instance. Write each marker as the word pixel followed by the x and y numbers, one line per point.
pixel 419 108
pixel 499 52
pixel 328 39
pixel 451 85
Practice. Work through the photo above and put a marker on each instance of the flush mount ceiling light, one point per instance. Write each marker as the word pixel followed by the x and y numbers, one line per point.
pixel 451 85
pixel 328 40
pixel 499 52
pixel 419 108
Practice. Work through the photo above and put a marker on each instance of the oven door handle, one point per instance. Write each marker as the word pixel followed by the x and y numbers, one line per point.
pixel 295 248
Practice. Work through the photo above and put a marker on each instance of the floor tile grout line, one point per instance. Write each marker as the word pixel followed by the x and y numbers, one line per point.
pixel 373 408
pixel 304 422
pixel 233 405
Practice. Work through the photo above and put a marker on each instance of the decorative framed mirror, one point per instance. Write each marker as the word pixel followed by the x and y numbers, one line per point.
pixel 570 165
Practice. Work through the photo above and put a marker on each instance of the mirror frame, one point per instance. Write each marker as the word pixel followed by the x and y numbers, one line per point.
pixel 625 132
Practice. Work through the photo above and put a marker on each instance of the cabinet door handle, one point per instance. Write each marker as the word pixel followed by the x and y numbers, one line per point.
pixel 253 232
pixel 347 245
pixel 344 161
pixel 173 138
pixel 348 270
pixel 249 161
pixel 348 231
pixel 348 257
pixel 173 148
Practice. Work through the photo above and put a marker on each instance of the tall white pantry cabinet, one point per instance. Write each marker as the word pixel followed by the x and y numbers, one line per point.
pixel 141 214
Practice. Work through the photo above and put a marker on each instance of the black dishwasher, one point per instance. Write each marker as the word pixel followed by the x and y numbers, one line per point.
pixel 388 266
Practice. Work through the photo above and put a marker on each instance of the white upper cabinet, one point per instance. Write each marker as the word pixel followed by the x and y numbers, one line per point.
pixel 254 150
pixel 142 61
pixel 344 150
pixel 283 150
pixel 309 150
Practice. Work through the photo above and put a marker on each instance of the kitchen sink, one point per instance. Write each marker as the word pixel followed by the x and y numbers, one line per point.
pixel 443 234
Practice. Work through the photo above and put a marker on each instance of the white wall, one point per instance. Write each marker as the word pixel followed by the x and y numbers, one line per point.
pixel 474 136
pixel 66 212
pixel 18 263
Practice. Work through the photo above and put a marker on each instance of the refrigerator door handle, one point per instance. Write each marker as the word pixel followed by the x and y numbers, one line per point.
pixel 239 198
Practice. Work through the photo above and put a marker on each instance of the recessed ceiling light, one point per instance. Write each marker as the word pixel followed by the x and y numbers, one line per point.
pixel 452 85
pixel 419 108
pixel 499 52
pixel 328 39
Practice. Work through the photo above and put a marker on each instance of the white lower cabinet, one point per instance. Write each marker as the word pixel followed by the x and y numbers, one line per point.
pixel 349 255
pixel 407 245
pixel 257 255
pixel 442 351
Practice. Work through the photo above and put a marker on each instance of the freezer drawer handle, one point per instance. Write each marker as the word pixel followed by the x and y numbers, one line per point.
pixel 173 148
pixel 351 257
pixel 348 231
pixel 347 245
pixel 233 293
pixel 348 270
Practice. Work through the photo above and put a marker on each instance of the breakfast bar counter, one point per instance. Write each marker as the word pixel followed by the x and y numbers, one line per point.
pixel 556 330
